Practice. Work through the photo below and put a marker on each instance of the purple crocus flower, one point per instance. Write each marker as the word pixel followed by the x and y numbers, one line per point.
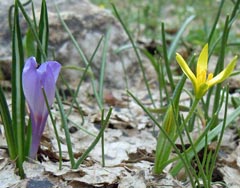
pixel 35 78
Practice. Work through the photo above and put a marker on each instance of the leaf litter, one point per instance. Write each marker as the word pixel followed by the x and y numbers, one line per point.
pixel 129 149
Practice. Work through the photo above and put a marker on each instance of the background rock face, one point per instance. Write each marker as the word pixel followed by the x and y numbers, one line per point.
pixel 88 23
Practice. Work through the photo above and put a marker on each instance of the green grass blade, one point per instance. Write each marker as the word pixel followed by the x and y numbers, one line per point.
pixel 136 52
pixel 166 59
pixel 8 127
pixel 18 100
pixel 220 65
pixel 10 11
pixel 215 22
pixel 66 130
pixel 43 33
pixel 158 67
pixel 82 55
pixel 173 47
pixel 29 44
pixel 33 14
pixel 103 67
pixel 33 29
pixel 74 99
pixel 164 147
pixel 81 80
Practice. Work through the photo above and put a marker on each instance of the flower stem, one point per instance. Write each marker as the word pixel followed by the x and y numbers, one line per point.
pixel 190 115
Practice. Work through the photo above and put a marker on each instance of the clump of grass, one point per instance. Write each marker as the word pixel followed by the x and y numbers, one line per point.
pixel 35 43
pixel 174 124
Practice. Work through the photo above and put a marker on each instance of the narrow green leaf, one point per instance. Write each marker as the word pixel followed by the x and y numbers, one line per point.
pixel 136 52
pixel 167 60
pixel 82 55
pixel 103 67
pixel 215 22
pixel 173 47
pixel 29 44
pixel 31 26
pixel 18 100
pixel 43 33
pixel 7 123
pixel 164 147
pixel 66 131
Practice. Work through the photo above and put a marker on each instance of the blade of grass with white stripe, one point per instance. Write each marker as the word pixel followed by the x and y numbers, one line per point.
pixel 101 84
pixel 29 40
pixel 103 66
pixel 43 33
pixel 31 26
pixel 66 130
pixel 18 100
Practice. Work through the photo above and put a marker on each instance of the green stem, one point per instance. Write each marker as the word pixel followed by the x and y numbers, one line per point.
pixel 192 110
pixel 190 114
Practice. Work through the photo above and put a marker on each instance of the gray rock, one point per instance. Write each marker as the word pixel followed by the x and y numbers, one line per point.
pixel 88 23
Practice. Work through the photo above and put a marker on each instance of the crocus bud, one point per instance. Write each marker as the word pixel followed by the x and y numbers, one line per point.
pixel 34 79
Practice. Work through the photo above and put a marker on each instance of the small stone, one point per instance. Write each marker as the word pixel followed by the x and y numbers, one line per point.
pixel 33 183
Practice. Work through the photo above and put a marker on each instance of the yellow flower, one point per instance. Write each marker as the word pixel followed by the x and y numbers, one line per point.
pixel 201 81
pixel 101 6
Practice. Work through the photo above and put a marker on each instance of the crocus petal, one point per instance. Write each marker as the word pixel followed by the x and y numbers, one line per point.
pixel 49 72
pixel 202 61
pixel 38 125
pixel 185 68
pixel 224 74
pixel 32 86
pixel 54 66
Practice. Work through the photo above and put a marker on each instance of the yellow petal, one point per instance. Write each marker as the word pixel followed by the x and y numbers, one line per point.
pixel 202 77
pixel 185 68
pixel 224 74
pixel 202 61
